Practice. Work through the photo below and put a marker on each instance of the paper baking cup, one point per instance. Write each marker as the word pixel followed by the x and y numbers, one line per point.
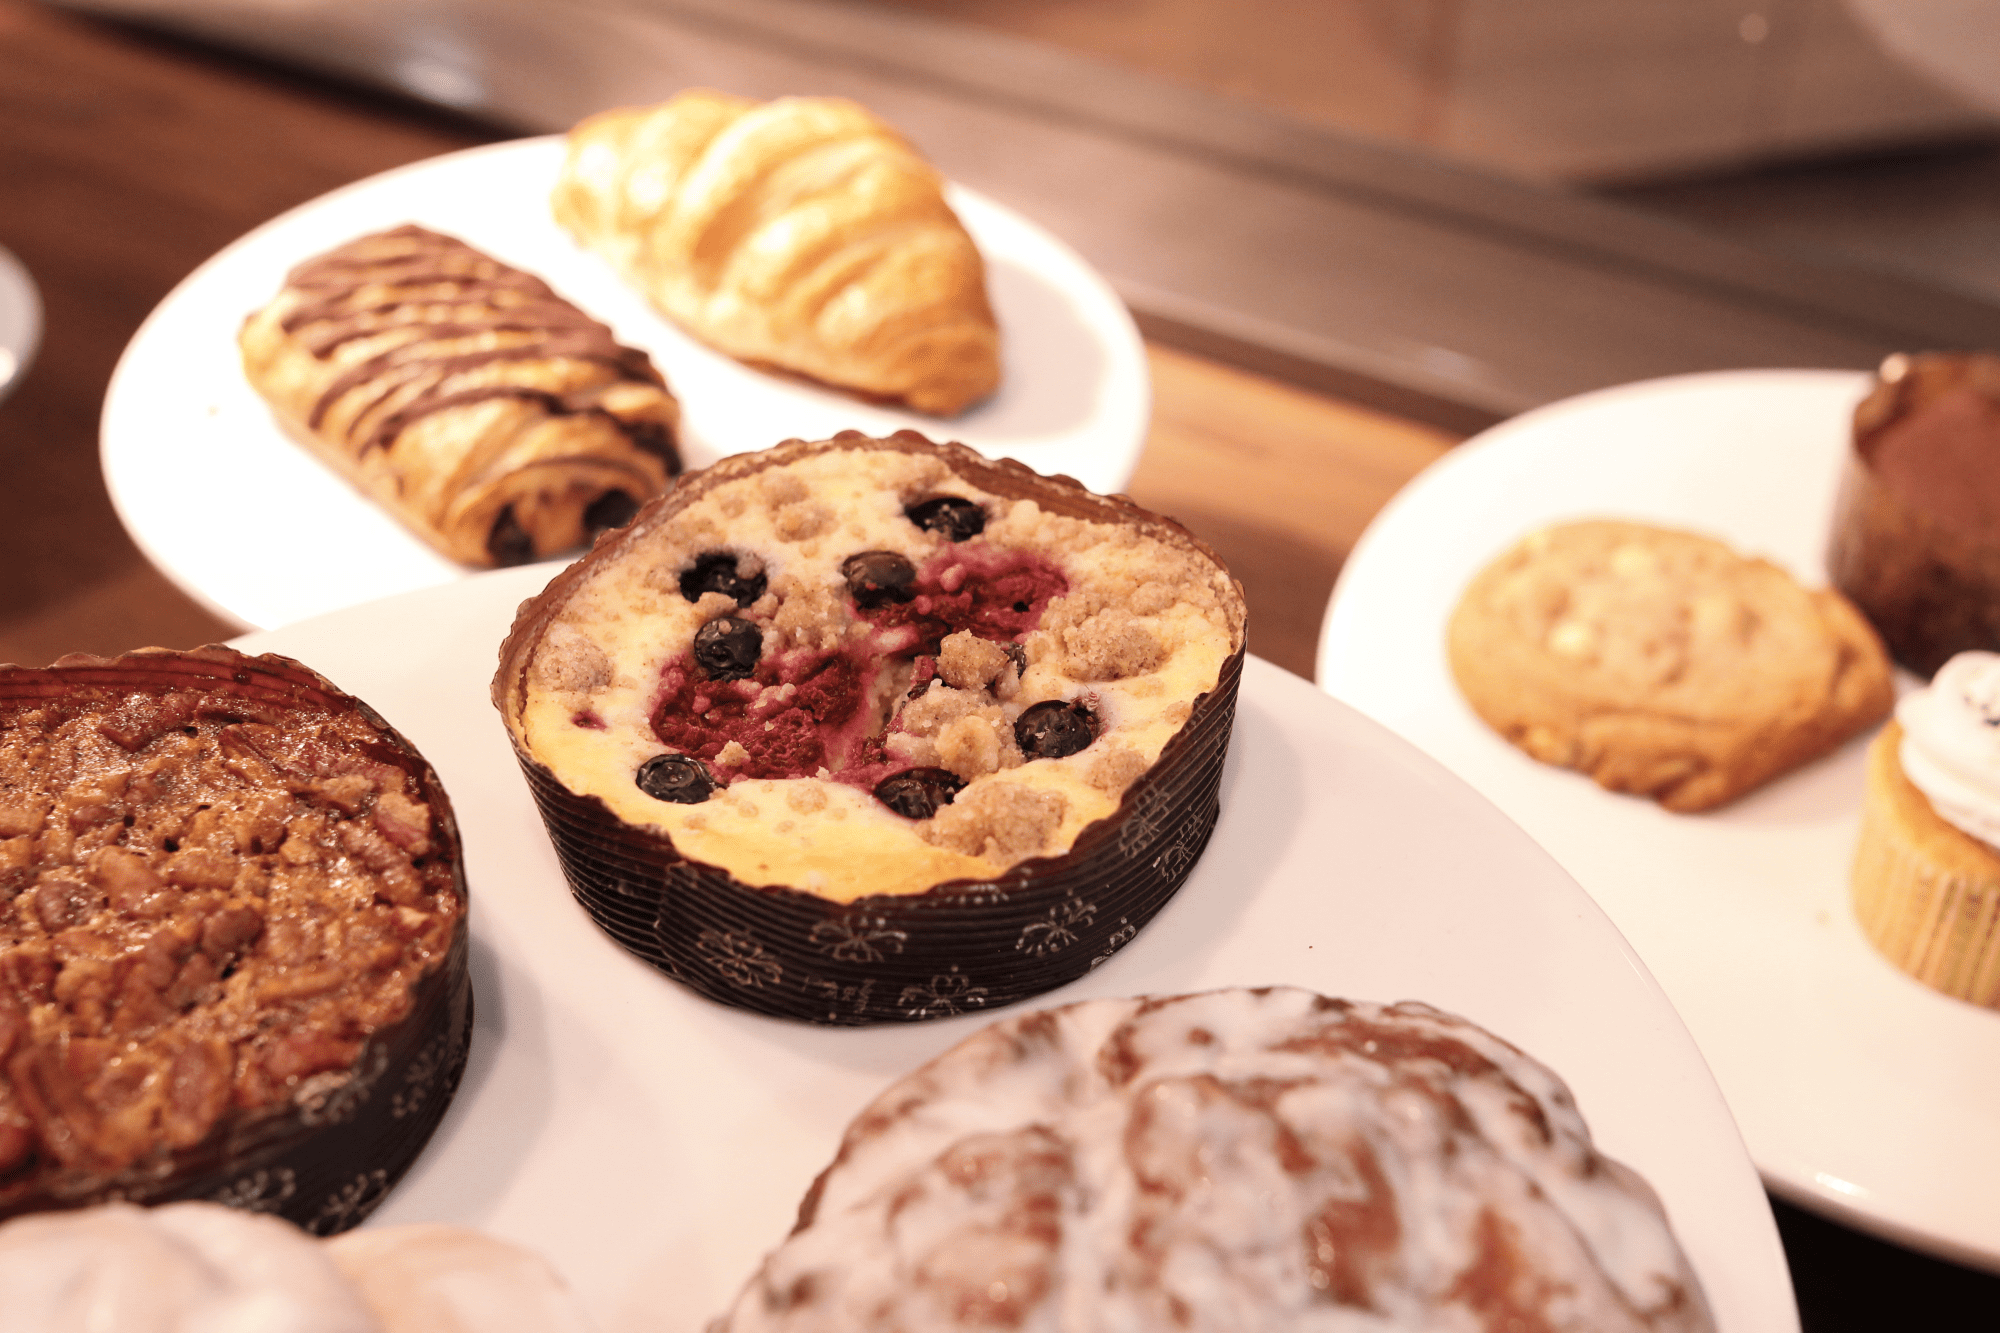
pixel 1926 895
pixel 325 1160
pixel 960 947
pixel 1930 590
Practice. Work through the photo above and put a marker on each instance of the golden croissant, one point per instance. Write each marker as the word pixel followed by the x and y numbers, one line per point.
pixel 801 233
pixel 494 418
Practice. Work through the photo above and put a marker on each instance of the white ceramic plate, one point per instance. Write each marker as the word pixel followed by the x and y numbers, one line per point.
pixel 1861 1093
pixel 20 321
pixel 655 1145
pixel 257 530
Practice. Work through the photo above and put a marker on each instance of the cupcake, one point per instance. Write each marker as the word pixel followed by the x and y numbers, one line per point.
pixel 865 730
pixel 232 939
pixel 1927 867
pixel 1916 533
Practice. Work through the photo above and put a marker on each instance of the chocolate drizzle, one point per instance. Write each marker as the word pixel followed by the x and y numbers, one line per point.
pixel 443 295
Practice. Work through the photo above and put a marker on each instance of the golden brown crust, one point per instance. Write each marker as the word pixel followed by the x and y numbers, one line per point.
pixel 1662 663
pixel 1926 893
pixel 477 406
pixel 802 233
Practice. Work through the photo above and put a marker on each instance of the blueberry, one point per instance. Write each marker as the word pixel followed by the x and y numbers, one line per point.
pixel 1053 728
pixel 877 578
pixel 509 543
pixel 916 793
pixel 677 778
pixel 613 509
pixel 716 571
pixel 951 518
pixel 727 647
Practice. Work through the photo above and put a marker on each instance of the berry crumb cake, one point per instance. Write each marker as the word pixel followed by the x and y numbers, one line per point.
pixel 866 729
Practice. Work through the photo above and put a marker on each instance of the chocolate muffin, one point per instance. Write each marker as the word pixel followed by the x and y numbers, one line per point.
pixel 866 729
pixel 1916 532
pixel 232 939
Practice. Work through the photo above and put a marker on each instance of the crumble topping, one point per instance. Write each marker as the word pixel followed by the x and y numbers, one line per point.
pixel 858 616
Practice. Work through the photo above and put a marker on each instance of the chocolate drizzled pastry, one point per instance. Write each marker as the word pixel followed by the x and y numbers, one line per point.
pixel 1241 1159
pixel 491 416
pixel 232 939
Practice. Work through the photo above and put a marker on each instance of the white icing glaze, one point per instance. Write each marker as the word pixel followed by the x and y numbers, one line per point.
pixel 834 839
pixel 1951 743
pixel 179 1268
pixel 1227 1161
pixel 204 1268
pixel 446 1279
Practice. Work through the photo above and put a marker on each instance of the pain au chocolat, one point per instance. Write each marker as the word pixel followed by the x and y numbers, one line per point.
pixel 864 730
pixel 1241 1159
pixel 232 939
pixel 490 416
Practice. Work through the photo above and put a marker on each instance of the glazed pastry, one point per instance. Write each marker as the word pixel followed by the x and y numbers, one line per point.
pixel 188 1266
pixel 1916 532
pixel 232 939
pixel 878 729
pixel 1662 663
pixel 802 234
pixel 1927 865
pixel 1245 1159
pixel 493 418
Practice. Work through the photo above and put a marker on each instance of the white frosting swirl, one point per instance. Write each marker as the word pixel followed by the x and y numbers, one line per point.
pixel 1951 743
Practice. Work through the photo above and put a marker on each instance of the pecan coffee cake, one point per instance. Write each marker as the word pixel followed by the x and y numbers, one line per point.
pixel 1239 1159
pixel 866 729
pixel 493 418
pixel 232 939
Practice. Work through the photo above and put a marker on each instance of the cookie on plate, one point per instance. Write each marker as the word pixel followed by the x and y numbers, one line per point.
pixel 1662 663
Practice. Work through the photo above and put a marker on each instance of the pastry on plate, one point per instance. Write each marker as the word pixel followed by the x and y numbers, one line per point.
pixel 1662 663
pixel 1916 531
pixel 186 1266
pixel 872 729
pixel 1927 865
pixel 1239 1159
pixel 493 418
pixel 802 234
pixel 232 939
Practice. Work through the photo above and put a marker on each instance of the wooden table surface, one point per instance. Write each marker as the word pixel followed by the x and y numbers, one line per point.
pixel 127 158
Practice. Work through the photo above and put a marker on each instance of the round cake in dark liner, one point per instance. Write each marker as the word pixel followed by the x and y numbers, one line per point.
pixel 327 1162
pixel 1930 590
pixel 963 946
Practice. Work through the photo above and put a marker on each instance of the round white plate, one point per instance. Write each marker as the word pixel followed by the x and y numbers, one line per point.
pixel 20 321
pixel 256 529
pixel 1861 1093
pixel 655 1145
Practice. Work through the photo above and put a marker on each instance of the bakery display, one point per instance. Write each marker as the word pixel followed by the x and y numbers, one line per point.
pixel 1662 663
pixel 1927 863
pixel 493 418
pixel 862 730
pixel 1916 532
pixel 1226 1160
pixel 184 1266
pixel 233 950
pixel 802 234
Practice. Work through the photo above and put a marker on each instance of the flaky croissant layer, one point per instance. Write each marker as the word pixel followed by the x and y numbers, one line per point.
pixel 491 416
pixel 802 233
